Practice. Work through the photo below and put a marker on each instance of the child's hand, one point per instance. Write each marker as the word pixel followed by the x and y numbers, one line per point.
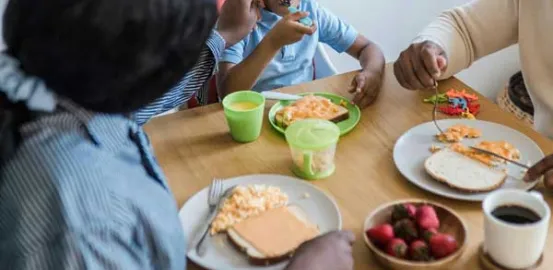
pixel 366 86
pixel 289 31
pixel 237 19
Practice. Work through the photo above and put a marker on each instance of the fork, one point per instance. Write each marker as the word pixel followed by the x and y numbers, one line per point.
pixel 215 193
pixel 435 110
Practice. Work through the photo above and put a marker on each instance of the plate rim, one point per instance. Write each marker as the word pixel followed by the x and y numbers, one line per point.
pixel 328 196
pixel 325 94
pixel 459 197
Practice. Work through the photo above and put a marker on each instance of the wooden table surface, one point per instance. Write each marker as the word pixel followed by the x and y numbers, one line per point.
pixel 194 146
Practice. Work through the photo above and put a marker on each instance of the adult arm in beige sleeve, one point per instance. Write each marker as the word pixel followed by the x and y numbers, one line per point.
pixel 474 30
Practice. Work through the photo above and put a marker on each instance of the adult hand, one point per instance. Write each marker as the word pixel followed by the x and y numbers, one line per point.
pixel 237 19
pixel 366 86
pixel 289 31
pixel 542 168
pixel 420 65
pixel 331 251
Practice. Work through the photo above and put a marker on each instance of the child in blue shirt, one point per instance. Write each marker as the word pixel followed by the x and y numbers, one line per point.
pixel 279 51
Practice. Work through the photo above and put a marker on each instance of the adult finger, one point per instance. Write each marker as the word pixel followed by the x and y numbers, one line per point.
pixel 539 169
pixel 442 62
pixel 404 66
pixel 409 71
pixel 420 71
pixel 399 75
pixel 433 62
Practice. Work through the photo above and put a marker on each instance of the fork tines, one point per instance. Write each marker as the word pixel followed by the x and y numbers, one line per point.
pixel 215 191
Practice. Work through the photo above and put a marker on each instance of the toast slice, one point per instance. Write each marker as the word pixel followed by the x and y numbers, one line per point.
pixel 272 236
pixel 311 107
pixel 463 173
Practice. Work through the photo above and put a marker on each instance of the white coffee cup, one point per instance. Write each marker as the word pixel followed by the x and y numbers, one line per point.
pixel 515 245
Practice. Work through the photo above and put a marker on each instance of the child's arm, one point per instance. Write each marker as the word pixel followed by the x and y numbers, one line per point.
pixel 342 37
pixel 369 55
pixel 234 77
pixel 242 76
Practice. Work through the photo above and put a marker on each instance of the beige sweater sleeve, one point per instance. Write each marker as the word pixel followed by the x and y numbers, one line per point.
pixel 473 30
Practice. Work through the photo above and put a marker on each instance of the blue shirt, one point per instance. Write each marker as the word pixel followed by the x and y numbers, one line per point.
pixel 294 63
pixel 84 191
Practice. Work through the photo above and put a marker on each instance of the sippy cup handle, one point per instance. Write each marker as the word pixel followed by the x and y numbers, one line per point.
pixel 308 162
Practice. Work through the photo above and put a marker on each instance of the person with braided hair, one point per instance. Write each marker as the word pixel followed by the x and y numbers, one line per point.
pixel 79 185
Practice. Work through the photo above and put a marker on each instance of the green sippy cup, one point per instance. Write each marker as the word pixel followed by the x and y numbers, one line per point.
pixel 313 146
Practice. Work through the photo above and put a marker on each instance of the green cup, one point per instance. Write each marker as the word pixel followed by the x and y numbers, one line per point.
pixel 313 146
pixel 244 113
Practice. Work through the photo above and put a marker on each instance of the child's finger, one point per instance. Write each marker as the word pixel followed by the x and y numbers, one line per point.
pixel 313 29
pixel 353 86
pixel 297 16
pixel 360 83
pixel 358 99
pixel 258 14
pixel 302 29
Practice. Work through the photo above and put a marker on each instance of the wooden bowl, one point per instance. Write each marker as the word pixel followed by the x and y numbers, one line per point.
pixel 450 223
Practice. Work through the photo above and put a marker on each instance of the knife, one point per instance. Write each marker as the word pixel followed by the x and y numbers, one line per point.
pixel 280 96
pixel 500 157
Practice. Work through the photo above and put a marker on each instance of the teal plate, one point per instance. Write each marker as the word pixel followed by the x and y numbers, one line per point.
pixel 345 126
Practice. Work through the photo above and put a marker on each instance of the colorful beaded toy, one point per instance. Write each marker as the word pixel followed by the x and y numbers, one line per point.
pixel 460 103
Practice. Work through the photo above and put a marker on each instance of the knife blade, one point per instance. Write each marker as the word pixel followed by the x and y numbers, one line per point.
pixel 500 157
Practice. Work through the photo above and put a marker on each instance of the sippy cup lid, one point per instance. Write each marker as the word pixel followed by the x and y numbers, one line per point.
pixel 312 134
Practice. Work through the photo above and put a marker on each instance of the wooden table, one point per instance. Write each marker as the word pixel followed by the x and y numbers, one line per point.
pixel 194 146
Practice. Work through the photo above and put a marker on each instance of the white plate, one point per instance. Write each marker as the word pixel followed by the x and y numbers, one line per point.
pixel 319 207
pixel 413 148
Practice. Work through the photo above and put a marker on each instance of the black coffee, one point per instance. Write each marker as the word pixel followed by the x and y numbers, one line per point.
pixel 516 214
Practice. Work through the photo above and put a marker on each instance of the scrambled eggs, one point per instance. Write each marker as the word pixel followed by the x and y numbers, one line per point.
pixel 457 133
pixel 247 201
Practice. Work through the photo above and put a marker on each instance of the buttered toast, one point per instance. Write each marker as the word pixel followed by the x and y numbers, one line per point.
pixel 311 107
pixel 272 236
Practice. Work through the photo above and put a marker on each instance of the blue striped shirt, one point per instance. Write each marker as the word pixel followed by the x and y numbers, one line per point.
pixel 84 191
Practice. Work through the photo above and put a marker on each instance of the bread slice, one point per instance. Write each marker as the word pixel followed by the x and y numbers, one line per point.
pixel 303 109
pixel 267 232
pixel 463 173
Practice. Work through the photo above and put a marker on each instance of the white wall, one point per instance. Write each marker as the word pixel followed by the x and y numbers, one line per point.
pixel 394 23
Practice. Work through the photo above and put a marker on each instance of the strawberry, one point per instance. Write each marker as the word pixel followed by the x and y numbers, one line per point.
pixel 397 248
pixel 442 245
pixel 419 251
pixel 406 230
pixel 402 211
pixel 427 218
pixel 426 235
pixel 381 235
